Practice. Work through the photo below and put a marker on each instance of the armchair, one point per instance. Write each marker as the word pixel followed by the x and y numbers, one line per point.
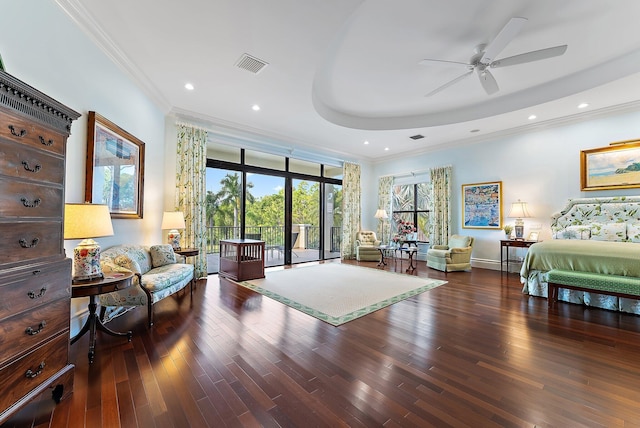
pixel 367 246
pixel 453 257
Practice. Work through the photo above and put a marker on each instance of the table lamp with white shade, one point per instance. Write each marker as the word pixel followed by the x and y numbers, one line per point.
pixel 172 221
pixel 86 221
pixel 519 211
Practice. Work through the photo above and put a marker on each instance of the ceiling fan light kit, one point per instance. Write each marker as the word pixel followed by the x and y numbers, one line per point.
pixel 484 54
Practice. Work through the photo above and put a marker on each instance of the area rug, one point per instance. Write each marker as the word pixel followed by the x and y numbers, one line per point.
pixel 337 293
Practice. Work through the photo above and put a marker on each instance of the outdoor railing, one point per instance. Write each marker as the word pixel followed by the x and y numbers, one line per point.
pixel 271 235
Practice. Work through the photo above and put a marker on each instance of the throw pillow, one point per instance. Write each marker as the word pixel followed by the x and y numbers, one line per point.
pixel 574 232
pixel 633 232
pixel 127 263
pixel 609 232
pixel 162 255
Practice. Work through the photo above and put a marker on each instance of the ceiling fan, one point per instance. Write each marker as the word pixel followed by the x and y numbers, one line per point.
pixel 484 58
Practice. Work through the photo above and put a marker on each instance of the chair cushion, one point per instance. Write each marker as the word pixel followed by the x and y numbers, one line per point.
pixel 457 241
pixel 367 238
pixel 162 255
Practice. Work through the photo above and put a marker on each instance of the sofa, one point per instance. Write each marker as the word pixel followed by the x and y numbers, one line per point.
pixel 456 256
pixel 158 274
pixel 367 246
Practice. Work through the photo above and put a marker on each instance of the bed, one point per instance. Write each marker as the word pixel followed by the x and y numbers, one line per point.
pixel 598 235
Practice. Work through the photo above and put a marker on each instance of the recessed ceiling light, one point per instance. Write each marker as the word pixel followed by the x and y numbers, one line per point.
pixel 533 116
pixel 188 86
pixel 255 107
pixel 366 143
pixel 583 105
pixel 386 149
pixel 475 130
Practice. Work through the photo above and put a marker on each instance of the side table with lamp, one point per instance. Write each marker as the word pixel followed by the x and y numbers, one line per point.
pixel 87 221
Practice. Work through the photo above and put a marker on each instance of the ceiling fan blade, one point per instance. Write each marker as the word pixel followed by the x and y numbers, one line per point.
pixel 503 38
pixel 530 56
pixel 441 62
pixel 488 81
pixel 450 83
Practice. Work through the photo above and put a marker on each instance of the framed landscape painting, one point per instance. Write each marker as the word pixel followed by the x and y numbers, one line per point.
pixel 482 205
pixel 115 168
pixel 614 167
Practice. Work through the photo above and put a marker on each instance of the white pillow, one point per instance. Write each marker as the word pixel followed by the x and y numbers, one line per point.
pixel 615 232
pixel 633 232
pixel 574 232
pixel 162 255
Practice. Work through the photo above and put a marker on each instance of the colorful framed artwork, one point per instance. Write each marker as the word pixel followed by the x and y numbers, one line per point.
pixel 614 167
pixel 115 168
pixel 482 205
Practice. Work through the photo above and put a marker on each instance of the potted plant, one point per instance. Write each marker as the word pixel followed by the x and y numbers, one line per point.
pixel 507 230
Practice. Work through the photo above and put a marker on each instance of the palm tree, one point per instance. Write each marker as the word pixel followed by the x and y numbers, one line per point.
pixel 231 194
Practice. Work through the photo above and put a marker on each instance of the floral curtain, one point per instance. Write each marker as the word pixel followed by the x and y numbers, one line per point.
pixel 191 165
pixel 384 203
pixel 351 209
pixel 440 226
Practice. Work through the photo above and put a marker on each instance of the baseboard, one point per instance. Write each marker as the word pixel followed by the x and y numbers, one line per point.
pixel 493 265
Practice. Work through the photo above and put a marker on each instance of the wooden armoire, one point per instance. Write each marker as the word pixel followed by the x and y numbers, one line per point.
pixel 35 275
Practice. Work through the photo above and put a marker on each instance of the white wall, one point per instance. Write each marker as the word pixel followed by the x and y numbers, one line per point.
pixel 540 167
pixel 42 46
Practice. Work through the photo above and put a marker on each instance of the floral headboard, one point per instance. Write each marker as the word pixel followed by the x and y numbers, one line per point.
pixel 604 219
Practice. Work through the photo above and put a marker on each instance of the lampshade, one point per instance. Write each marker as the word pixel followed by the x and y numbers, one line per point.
pixel 86 221
pixel 519 210
pixel 173 220
pixel 381 214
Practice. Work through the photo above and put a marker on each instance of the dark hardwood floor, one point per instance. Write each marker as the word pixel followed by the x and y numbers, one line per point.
pixel 474 352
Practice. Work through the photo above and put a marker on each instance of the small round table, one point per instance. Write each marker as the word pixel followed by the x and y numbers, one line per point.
pixel 411 251
pixel 111 282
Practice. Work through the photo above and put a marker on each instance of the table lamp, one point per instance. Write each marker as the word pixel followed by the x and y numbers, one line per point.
pixel 86 221
pixel 519 211
pixel 172 221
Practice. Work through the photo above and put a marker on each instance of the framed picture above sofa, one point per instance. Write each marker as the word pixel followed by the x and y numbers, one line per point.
pixel 115 168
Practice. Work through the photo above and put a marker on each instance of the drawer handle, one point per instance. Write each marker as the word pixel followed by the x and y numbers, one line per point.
pixel 22 132
pixel 29 204
pixel 32 294
pixel 31 332
pixel 45 142
pixel 30 168
pixel 31 374
pixel 25 244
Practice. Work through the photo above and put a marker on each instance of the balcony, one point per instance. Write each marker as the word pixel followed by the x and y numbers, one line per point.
pixel 305 248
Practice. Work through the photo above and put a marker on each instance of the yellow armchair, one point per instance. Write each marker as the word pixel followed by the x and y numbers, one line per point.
pixel 367 246
pixel 455 256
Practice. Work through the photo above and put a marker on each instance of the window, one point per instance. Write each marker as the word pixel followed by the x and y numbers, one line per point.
pixel 412 203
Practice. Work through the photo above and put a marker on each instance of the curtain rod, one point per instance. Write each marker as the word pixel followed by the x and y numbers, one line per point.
pixel 412 173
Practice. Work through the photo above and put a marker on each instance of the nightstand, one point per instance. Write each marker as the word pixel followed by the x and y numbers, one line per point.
pixel 505 245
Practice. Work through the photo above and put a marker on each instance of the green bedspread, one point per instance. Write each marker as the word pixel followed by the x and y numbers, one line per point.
pixel 613 258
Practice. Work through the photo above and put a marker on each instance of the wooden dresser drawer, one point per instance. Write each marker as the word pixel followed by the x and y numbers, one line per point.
pixel 19 199
pixel 28 372
pixel 28 329
pixel 24 131
pixel 28 241
pixel 31 164
pixel 40 284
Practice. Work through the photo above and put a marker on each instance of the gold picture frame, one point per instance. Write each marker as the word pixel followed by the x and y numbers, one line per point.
pixel 114 168
pixel 614 167
pixel 482 205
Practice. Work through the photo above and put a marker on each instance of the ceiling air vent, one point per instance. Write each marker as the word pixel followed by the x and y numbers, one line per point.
pixel 251 63
pixel 416 137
